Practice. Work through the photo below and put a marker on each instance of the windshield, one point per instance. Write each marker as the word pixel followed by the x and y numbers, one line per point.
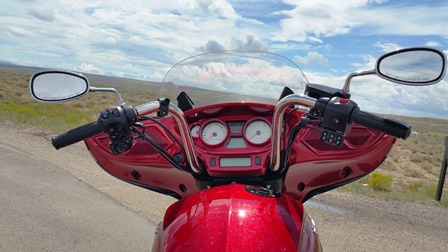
pixel 233 76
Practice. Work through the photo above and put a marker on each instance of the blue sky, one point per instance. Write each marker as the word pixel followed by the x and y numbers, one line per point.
pixel 142 39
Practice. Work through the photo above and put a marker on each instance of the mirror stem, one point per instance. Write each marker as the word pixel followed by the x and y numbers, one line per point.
pixel 113 90
pixel 346 88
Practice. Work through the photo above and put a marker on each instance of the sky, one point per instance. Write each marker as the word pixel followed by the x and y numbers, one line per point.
pixel 142 39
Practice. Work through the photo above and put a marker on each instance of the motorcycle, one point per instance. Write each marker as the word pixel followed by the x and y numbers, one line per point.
pixel 241 151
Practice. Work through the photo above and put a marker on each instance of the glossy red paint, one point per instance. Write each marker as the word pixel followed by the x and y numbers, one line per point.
pixel 314 166
pixel 229 218
pixel 142 165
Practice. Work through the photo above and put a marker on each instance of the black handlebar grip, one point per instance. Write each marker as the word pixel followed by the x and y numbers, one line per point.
pixel 75 135
pixel 389 126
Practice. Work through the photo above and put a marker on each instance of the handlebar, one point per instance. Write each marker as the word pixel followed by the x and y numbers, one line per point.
pixel 388 126
pixel 277 123
pixel 75 135
pixel 350 114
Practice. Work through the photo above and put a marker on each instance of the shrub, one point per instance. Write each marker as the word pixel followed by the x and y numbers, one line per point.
pixel 430 189
pixel 379 181
pixel 414 186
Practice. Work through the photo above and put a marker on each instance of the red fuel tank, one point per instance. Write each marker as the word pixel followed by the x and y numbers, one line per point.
pixel 236 218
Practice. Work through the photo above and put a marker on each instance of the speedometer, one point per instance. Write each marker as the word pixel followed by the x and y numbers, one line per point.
pixel 214 133
pixel 257 131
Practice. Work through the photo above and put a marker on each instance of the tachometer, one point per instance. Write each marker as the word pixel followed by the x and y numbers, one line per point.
pixel 214 133
pixel 257 131
pixel 194 130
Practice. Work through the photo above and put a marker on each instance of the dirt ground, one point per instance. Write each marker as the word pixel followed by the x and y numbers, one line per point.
pixel 346 222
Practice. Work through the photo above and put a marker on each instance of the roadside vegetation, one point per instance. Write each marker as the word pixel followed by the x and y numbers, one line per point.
pixel 412 170
pixel 410 173
pixel 17 105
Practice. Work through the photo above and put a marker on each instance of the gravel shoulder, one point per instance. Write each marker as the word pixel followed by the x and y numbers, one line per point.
pixel 346 222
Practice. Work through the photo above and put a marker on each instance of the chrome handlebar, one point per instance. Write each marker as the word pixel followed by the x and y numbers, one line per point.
pixel 277 122
pixel 178 114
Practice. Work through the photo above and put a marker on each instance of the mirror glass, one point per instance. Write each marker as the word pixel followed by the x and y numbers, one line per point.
pixel 412 67
pixel 58 86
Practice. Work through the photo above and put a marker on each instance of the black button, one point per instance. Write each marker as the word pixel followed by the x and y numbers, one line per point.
pixel 105 114
pixel 257 161
pixel 115 112
pixel 212 161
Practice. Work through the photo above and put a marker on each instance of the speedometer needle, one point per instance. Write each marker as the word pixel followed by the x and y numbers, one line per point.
pixel 256 134
pixel 213 135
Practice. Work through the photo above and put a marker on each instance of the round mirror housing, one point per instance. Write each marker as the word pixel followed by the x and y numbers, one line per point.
pixel 417 66
pixel 58 86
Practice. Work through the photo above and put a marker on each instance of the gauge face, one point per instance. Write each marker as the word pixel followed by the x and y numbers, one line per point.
pixel 257 131
pixel 214 133
pixel 194 130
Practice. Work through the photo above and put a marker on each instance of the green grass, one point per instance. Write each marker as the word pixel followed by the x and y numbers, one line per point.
pixel 421 192
pixel 17 105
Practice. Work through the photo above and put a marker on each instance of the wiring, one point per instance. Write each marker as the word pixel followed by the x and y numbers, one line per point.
pixel 166 130
pixel 159 149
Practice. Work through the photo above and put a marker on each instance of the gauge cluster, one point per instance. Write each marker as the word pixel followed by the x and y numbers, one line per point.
pixel 233 134
pixel 234 142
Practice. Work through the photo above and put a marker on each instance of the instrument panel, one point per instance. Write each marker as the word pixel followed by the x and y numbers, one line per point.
pixel 233 139
pixel 239 145
pixel 232 134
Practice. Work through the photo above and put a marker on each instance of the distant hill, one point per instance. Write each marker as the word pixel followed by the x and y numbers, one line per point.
pixel 93 78
pixel 7 67
pixel 431 124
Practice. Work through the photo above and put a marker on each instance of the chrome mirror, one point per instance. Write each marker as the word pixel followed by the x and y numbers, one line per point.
pixel 58 86
pixel 412 66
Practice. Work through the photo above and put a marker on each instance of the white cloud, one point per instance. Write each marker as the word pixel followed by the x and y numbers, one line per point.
pixel 314 39
pixel 89 68
pixel 401 20
pixel 211 46
pixel 220 7
pixel 42 14
pixel 19 31
pixel 387 46
pixel 249 43
pixel 433 44
pixel 321 18
pixel 312 58
pixel 317 19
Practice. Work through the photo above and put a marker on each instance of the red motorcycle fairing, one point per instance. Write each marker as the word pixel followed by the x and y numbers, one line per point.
pixel 234 218
pixel 314 166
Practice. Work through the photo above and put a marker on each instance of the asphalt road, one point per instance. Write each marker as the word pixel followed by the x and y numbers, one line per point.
pixel 45 208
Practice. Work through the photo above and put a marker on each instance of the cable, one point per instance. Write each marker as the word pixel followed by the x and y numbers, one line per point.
pixel 166 130
pixel 159 149
pixel 284 125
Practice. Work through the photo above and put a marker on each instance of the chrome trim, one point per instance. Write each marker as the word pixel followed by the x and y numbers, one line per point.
pixel 31 82
pixel 313 225
pixel 277 123
pixel 178 115
pixel 113 90
pixel 349 78
pixel 410 49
